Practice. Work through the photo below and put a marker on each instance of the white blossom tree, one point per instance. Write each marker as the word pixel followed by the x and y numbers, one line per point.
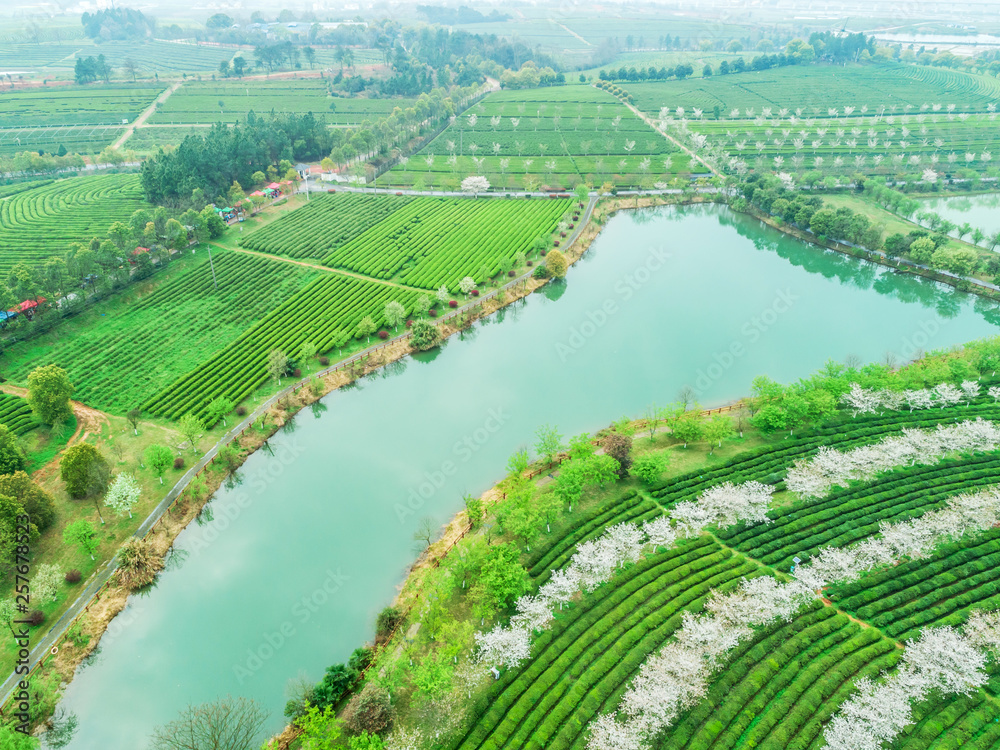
pixel 475 184
pixel 123 494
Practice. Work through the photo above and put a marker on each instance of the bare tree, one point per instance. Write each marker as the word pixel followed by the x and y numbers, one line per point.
pixel 225 724
pixel 425 531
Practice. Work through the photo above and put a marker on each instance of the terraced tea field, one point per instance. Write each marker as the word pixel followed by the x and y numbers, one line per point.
pixel 781 684
pixel 228 101
pixel 42 222
pixel 122 353
pixel 423 242
pixel 550 137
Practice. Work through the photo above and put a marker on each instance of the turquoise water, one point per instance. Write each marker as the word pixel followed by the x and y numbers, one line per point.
pixel 982 211
pixel 288 575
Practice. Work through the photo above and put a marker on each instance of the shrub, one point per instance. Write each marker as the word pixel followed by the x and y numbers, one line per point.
pixel 387 621
pixel 369 711
pixel 179 462
pixel 73 576
pixel 561 234
pixel 137 564
pixel 452 303
pixel 383 335
pixel 409 324
pixel 297 373
pixel 511 272
pixel 531 263
pixel 36 617
pixel 541 272
pixel 324 361
pixel 556 243
pixel 432 312
pixel 241 411
pixel 475 292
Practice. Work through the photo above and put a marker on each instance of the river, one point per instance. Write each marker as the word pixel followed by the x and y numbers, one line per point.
pixel 296 561
pixel 980 211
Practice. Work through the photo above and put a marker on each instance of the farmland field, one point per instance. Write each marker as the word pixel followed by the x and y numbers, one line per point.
pixel 123 352
pixel 892 121
pixel 782 683
pixel 553 137
pixel 76 105
pixel 433 242
pixel 16 415
pixel 899 88
pixel 422 242
pixel 44 221
pixel 324 313
pixel 323 224
pixel 199 102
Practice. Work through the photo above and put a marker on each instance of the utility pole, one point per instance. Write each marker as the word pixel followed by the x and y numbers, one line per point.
pixel 212 266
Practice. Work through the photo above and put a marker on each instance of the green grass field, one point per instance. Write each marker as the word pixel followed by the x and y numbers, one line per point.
pixel 550 137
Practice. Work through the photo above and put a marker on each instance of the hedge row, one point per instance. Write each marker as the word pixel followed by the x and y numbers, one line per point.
pixel 595 647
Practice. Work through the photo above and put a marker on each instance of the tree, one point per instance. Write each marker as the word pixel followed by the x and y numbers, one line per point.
pixel 424 335
pixel 475 185
pixel 277 363
pixel 717 429
pixel 688 428
pixel 82 534
pixel 192 428
pixel 466 285
pixel 425 531
pixel 502 578
pixel 133 416
pixel 225 724
pixel 556 264
pixel 619 447
pixel 12 455
pixel 395 314
pixel 49 390
pixel 650 466
pixel 337 680
pixel 922 250
pixel 549 442
pixel 582 192
pixel 37 503
pixel 159 457
pixel 84 470
pixel 371 711
pixel 366 327
pixel 124 494
pixel 218 408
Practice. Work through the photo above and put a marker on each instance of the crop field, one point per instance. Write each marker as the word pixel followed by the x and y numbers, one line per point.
pixel 147 140
pixel 553 137
pixel 323 224
pixel 76 105
pixel 422 242
pixel 325 313
pixel 886 144
pixel 815 89
pixel 228 101
pixel 780 687
pixel 122 353
pixel 16 415
pixel 44 221
pixel 433 242
pixel 56 59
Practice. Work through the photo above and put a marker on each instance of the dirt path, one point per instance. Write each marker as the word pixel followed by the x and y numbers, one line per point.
pixel 89 421
pixel 655 126
pixel 141 119
pixel 340 271
pixel 570 31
